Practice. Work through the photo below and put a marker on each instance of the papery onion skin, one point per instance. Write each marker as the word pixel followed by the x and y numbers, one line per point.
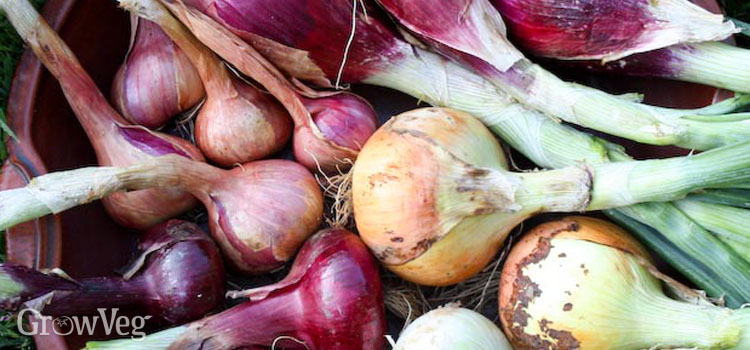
pixel 157 81
pixel 179 277
pixel 574 28
pixel 244 125
pixel 145 208
pixel 320 27
pixel 604 29
pixel 345 122
pixel 262 212
pixel 332 299
pixel 396 195
pixel 237 123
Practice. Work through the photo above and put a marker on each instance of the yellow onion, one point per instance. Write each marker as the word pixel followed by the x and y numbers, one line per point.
pixel 156 81
pixel 434 202
pixel 583 283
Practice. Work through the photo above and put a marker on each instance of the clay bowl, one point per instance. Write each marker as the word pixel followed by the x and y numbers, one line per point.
pixel 84 241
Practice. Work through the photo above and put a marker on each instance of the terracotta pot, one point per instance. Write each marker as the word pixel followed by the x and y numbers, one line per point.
pixel 84 241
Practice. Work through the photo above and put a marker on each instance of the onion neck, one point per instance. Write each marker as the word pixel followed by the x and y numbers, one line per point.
pixel 658 320
pixel 253 323
pixel 539 89
pixel 94 112
pixel 626 183
pixel 244 58
pixel 20 284
pixel 439 82
pixel 56 192
pixel 212 72
pixel 96 293
pixel 713 63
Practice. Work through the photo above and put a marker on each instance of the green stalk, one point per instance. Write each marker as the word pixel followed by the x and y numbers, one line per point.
pixel 551 144
pixel 56 192
pixel 157 341
pixel 728 223
pixel 624 183
pixel 713 63
pixel 734 197
pixel 689 248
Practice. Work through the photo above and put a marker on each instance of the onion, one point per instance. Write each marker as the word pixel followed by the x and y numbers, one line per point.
pixel 259 213
pixel 156 81
pixel 582 283
pixel 307 40
pixel 115 142
pixel 332 299
pixel 329 127
pixel 458 28
pixel 177 277
pixel 452 328
pixel 434 202
pixel 587 33
pixel 237 123
pixel 609 30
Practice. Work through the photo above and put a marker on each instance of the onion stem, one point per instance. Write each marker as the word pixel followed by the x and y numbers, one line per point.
pixel 689 247
pixel 157 341
pixel 600 111
pixel 551 144
pixel 713 63
pixel 56 192
pixel 728 223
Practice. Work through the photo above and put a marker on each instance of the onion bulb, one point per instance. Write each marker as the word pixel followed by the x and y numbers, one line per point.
pixel 176 277
pixel 583 283
pixel 259 213
pixel 329 127
pixel 157 81
pixel 452 328
pixel 672 39
pixel 434 202
pixel 237 123
pixel 332 299
pixel 609 30
pixel 116 143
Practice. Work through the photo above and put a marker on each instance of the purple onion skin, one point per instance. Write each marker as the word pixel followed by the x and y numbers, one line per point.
pixel 569 28
pixel 332 299
pixel 321 27
pixel 658 63
pixel 345 120
pixel 104 127
pixel 182 280
pixel 157 81
pixel 227 130
pixel 262 212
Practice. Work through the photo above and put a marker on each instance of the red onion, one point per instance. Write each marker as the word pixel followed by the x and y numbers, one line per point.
pixel 329 127
pixel 177 277
pixel 260 213
pixel 594 33
pixel 115 142
pixel 467 31
pixel 332 299
pixel 607 29
pixel 237 123
pixel 156 81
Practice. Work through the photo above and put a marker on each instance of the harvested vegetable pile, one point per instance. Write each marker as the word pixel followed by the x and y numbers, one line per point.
pixel 278 210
